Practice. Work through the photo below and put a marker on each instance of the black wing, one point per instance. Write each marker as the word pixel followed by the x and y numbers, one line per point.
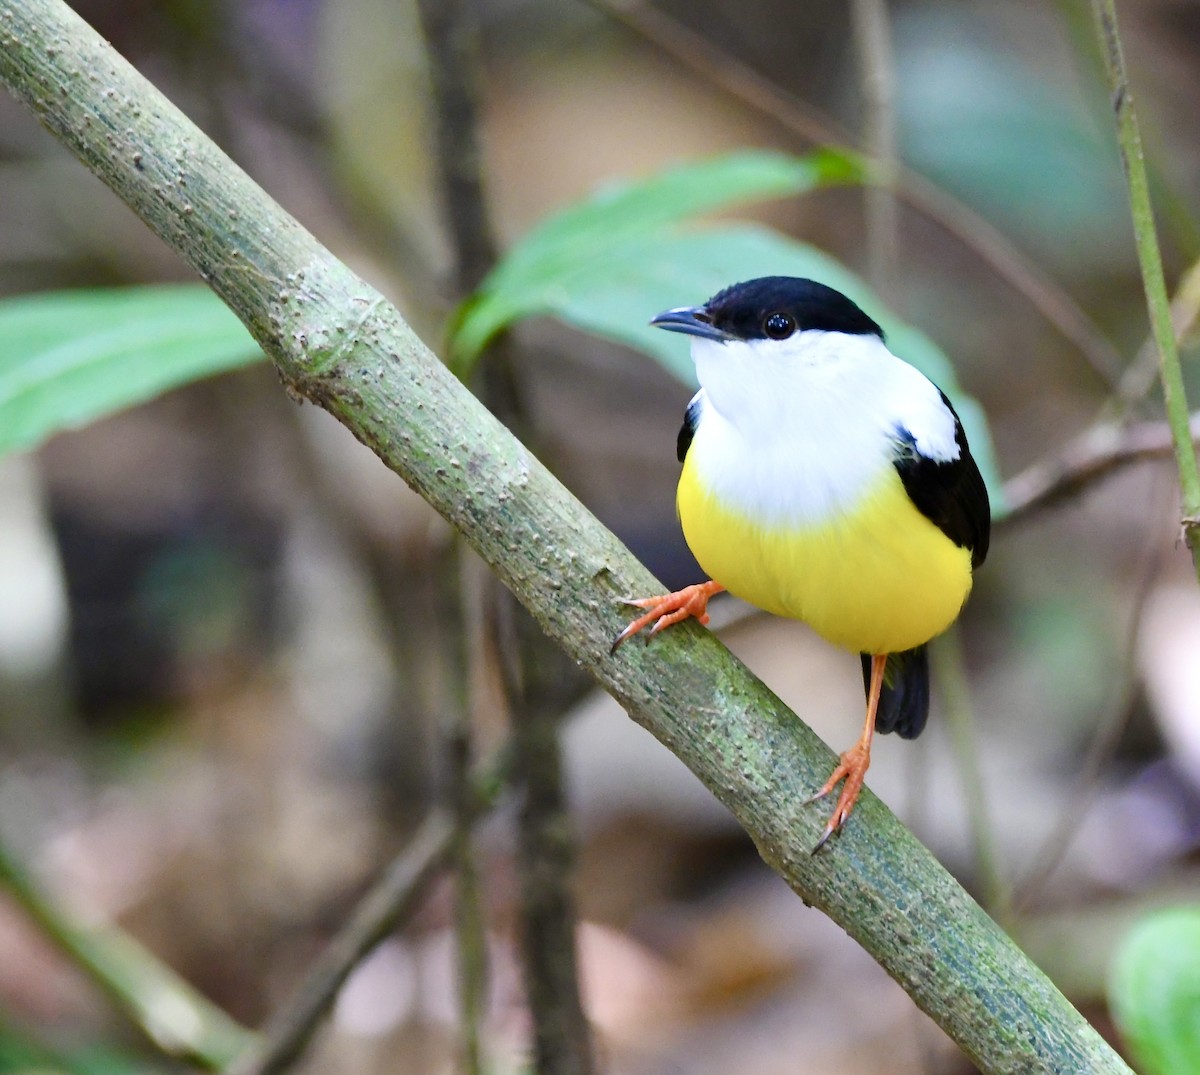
pixel 691 419
pixel 950 494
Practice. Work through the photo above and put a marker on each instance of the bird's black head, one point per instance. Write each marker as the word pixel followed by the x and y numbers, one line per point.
pixel 770 308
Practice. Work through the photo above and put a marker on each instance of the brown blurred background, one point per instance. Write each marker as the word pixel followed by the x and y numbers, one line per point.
pixel 227 634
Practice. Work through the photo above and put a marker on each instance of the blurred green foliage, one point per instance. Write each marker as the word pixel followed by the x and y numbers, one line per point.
pixel 20 1055
pixel 1009 136
pixel 1154 991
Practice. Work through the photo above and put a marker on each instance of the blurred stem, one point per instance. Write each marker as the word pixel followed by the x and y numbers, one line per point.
pixel 171 1014
pixel 1153 280
pixel 451 44
pixel 336 342
pixel 950 671
pixel 386 905
pixel 873 35
pixel 470 925
pixel 562 1042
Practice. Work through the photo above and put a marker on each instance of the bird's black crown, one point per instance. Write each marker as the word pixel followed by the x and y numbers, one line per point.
pixel 773 307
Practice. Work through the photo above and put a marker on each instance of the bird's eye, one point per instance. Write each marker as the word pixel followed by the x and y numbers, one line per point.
pixel 779 326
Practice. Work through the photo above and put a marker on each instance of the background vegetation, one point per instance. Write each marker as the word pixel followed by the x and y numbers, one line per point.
pixel 233 650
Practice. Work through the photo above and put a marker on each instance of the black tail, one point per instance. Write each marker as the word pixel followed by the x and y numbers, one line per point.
pixel 904 703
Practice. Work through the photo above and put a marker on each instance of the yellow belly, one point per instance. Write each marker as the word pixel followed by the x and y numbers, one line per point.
pixel 879 578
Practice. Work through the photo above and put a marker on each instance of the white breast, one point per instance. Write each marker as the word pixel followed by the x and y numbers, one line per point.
pixel 791 432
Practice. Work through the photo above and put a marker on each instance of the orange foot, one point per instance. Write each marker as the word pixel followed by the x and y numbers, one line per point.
pixel 666 609
pixel 853 768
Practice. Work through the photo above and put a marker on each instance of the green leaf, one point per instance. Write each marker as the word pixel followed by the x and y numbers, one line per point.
pixel 1154 991
pixel 599 237
pixel 21 1054
pixel 71 357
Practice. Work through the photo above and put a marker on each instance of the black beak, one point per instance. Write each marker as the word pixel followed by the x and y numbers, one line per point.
pixel 692 321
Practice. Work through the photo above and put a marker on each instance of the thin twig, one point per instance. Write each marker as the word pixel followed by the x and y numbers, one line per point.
pixel 1095 454
pixel 470 921
pixel 470 924
pixel 168 1011
pixel 1158 303
pixel 718 67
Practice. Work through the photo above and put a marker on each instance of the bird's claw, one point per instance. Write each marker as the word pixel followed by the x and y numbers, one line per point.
pixel 633 628
pixel 666 609
pixel 852 767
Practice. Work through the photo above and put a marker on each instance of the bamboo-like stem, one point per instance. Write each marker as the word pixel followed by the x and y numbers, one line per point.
pixel 1180 222
pixel 338 343
pixel 168 1011
pixel 1158 302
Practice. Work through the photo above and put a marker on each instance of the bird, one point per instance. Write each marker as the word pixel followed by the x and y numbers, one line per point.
pixel 826 480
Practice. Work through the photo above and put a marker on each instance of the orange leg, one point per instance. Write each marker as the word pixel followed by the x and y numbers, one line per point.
pixel 855 761
pixel 666 609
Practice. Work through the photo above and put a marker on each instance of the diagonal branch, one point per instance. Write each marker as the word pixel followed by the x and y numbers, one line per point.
pixel 337 342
